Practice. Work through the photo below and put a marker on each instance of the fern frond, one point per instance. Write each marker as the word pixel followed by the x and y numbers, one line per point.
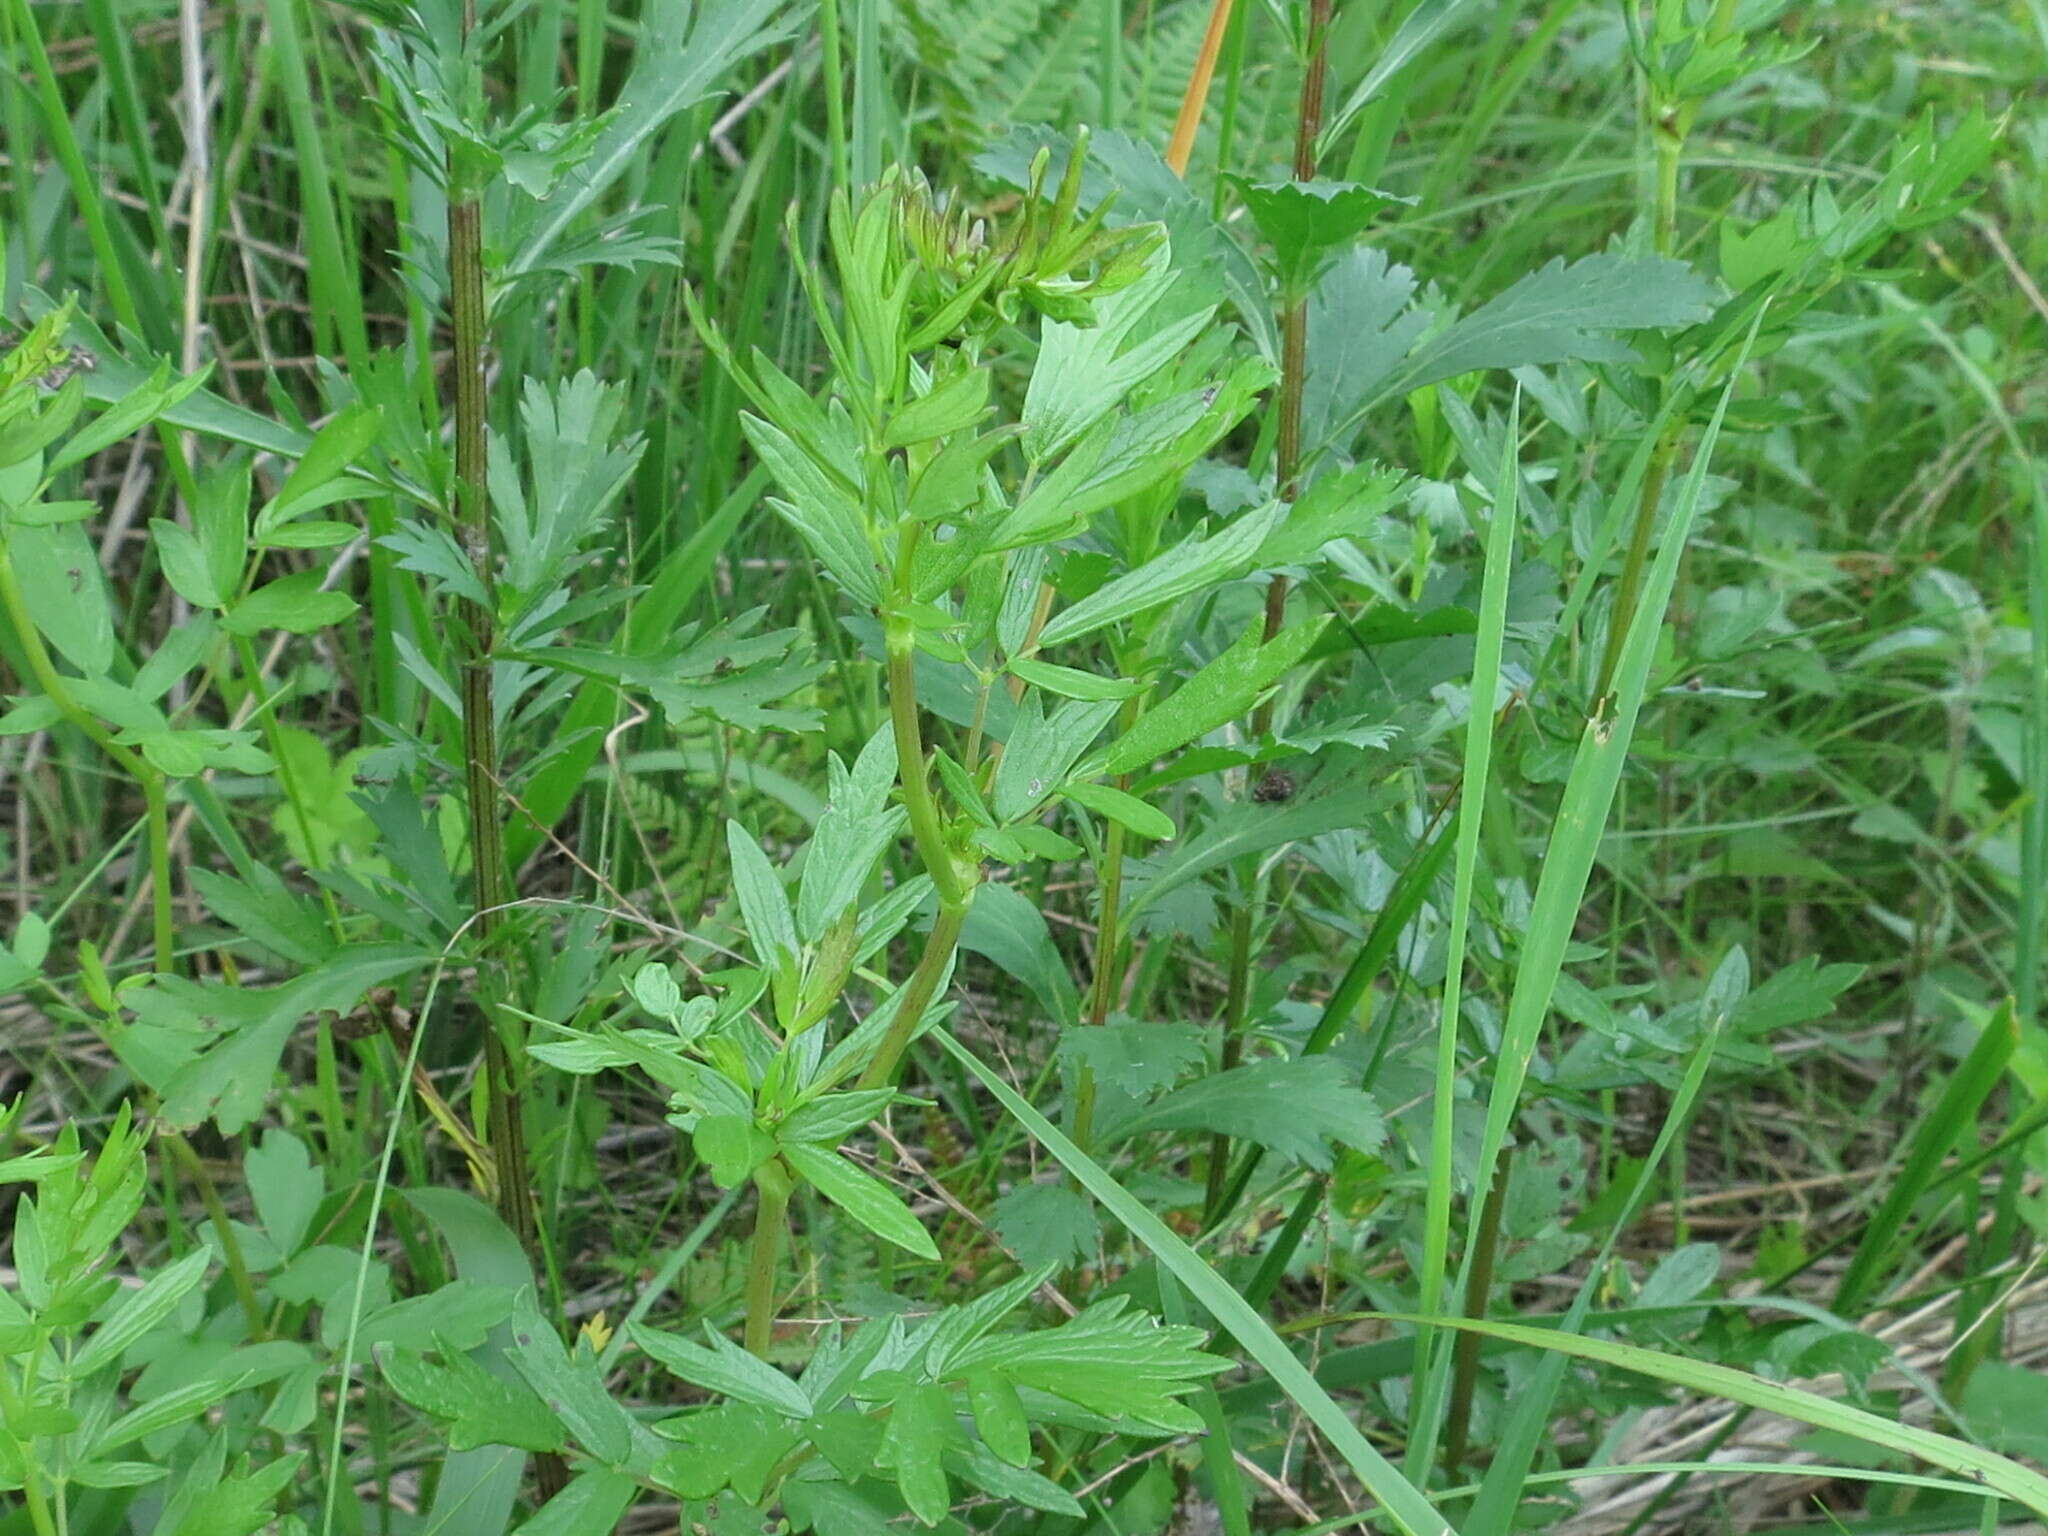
pixel 1050 78
pixel 1159 63
pixel 964 42
pixel 663 826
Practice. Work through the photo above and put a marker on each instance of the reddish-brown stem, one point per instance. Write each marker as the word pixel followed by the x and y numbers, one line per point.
pixel 493 879
pixel 1287 473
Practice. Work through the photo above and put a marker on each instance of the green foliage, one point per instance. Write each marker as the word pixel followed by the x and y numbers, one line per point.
pixel 882 1404
pixel 771 817
pixel 66 1329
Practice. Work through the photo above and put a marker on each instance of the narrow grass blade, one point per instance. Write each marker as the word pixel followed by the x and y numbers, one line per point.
pixel 1746 1469
pixel 1219 1450
pixel 871 112
pixel 1803 1469
pixel 667 79
pixel 1568 859
pixel 1528 1420
pixel 2030 936
pixel 1995 1473
pixel 1489 645
pixel 1403 1502
pixel 333 277
pixel 1933 1139
pixel 1424 25
pixel 1410 890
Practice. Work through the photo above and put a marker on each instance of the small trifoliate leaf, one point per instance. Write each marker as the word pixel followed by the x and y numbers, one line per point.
pixel 460 1314
pixel 828 1120
pixel 1562 313
pixel 591 1505
pixel 1070 682
pixel 1802 991
pixel 734 1147
pixel 294 604
pixel 334 447
pixel 999 1416
pixel 1223 690
pixel 1681 1276
pixel 138 1312
pixel 1084 372
pixel 1337 506
pixel 1042 751
pixel 183 563
pixel 1013 1481
pixel 573 1387
pixel 1197 565
pixel 732 1443
pixel 65 591
pixel 955 403
pixel 763 901
pixel 243 1502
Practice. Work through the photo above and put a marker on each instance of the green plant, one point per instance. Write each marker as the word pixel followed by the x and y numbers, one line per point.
pixel 1320 823
pixel 68 1433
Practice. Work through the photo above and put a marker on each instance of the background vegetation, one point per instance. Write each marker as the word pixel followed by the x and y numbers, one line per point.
pixel 1075 766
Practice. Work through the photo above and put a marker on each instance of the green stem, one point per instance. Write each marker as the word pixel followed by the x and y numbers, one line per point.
pixel 1104 985
pixel 163 936
pixel 1232 64
pixel 1294 319
pixel 1236 1005
pixel 11 1408
pixel 1102 993
pixel 835 102
pixel 1671 122
pixel 1629 587
pixel 230 1245
pixel 953 880
pixel 1109 18
pixel 771 1217
pixel 493 880
pixel 1108 968
pixel 911 771
pixel 1273 1267
pixel 1478 1293
pixel 479 715
pixel 287 775
pixel 917 992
